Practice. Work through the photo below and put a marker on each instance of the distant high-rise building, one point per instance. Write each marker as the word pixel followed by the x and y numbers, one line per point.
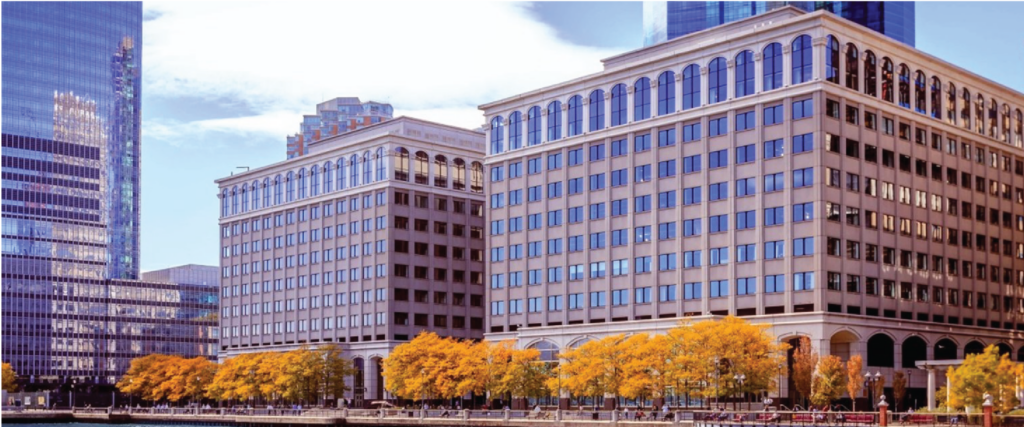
pixel 666 20
pixel 73 307
pixel 335 117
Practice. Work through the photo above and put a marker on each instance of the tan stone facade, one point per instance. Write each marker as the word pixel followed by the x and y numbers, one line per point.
pixel 372 237
pixel 868 213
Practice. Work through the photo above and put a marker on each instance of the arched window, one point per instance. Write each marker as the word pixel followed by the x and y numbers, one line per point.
pixel 256 195
pixel 993 117
pixel 440 171
pixel 832 60
pixel 575 119
pixel 420 167
pixel 289 183
pixel 803 60
pixel 979 115
pixel 951 104
pixel 353 173
pixel 596 110
pixel 870 74
pixel 401 164
pixel 266 192
pixel 936 98
pixel 1019 133
pixel 642 99
pixel 515 131
pixel 328 177
pixel 224 203
pixel 718 81
pixel 965 108
pixel 244 195
pixel 620 114
pixel 1006 124
pixel 367 168
pixel 555 121
pixel 691 86
pixel 920 94
pixel 277 190
pixel 974 347
pixel 666 93
pixel 887 75
pixel 497 135
pixel 852 63
pixel 904 86
pixel 459 177
pixel 744 73
pixel 314 181
pixel 533 129
pixel 772 67
pixel 342 176
pixel 381 169
pixel 476 178
pixel 302 182
pixel 234 200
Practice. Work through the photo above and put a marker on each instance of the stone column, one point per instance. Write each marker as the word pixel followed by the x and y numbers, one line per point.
pixel 787 64
pixel 818 46
pixel 586 114
pixel 679 90
pixel 730 77
pixel 630 89
pixel 544 119
pixel 931 388
pixel 758 72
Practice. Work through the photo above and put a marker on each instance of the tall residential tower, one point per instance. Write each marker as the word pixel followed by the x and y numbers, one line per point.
pixel 336 117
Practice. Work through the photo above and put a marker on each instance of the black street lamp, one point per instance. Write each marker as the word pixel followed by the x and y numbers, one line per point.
pixel 740 378
pixel 869 383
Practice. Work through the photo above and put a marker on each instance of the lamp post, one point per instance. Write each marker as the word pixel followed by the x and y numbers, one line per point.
pixel 131 381
pixel 718 374
pixel 869 383
pixel 740 378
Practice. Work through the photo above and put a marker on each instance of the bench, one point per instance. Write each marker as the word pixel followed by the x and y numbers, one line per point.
pixel 769 417
pixel 803 418
pixel 917 419
pixel 859 418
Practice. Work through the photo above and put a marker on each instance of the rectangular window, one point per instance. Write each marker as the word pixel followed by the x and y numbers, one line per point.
pixel 691 132
pixel 745 121
pixel 719 126
pixel 803 143
pixel 774 148
pixel 666 137
pixel 803 108
pixel 692 163
pixel 745 154
pixel 773 115
pixel 619 148
pixel 642 143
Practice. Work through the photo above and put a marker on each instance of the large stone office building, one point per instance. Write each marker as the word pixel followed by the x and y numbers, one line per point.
pixel 369 238
pixel 791 168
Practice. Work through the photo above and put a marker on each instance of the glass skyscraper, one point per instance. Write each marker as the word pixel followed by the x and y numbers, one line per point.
pixel 74 308
pixel 666 20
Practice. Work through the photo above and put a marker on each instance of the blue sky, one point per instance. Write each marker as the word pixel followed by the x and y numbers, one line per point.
pixel 221 90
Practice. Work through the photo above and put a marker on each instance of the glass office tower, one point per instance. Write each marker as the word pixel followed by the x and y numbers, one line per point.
pixel 74 308
pixel 666 20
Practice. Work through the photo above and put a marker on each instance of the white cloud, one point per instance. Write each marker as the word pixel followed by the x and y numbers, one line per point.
pixel 432 60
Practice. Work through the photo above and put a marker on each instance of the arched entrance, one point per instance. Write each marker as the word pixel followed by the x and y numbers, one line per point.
pixel 946 349
pixel 881 351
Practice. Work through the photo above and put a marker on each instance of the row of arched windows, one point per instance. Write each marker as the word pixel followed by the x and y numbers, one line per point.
pixel 896 86
pixel 915 91
pixel 643 105
pixel 346 172
pixel 442 169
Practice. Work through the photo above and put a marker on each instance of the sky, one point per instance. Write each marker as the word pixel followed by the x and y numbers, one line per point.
pixel 225 82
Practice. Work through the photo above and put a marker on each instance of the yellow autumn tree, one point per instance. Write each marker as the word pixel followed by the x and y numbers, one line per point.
pixel 186 379
pixel 9 378
pixel 717 351
pixel 239 378
pixel 854 366
pixel 829 381
pixel 595 368
pixel 649 368
pixel 491 366
pixel 805 359
pixel 145 377
pixel 425 368
pixel 987 372
pixel 527 375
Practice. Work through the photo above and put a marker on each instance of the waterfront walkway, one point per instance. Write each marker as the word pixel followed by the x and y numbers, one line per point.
pixel 491 418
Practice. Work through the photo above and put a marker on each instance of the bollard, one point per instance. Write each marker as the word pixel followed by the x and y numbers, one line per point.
pixel 675 418
pixel 558 415
pixel 423 413
pixel 987 408
pixel 883 414
pixel 344 413
pixel 465 414
pixel 507 415
pixel 615 416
